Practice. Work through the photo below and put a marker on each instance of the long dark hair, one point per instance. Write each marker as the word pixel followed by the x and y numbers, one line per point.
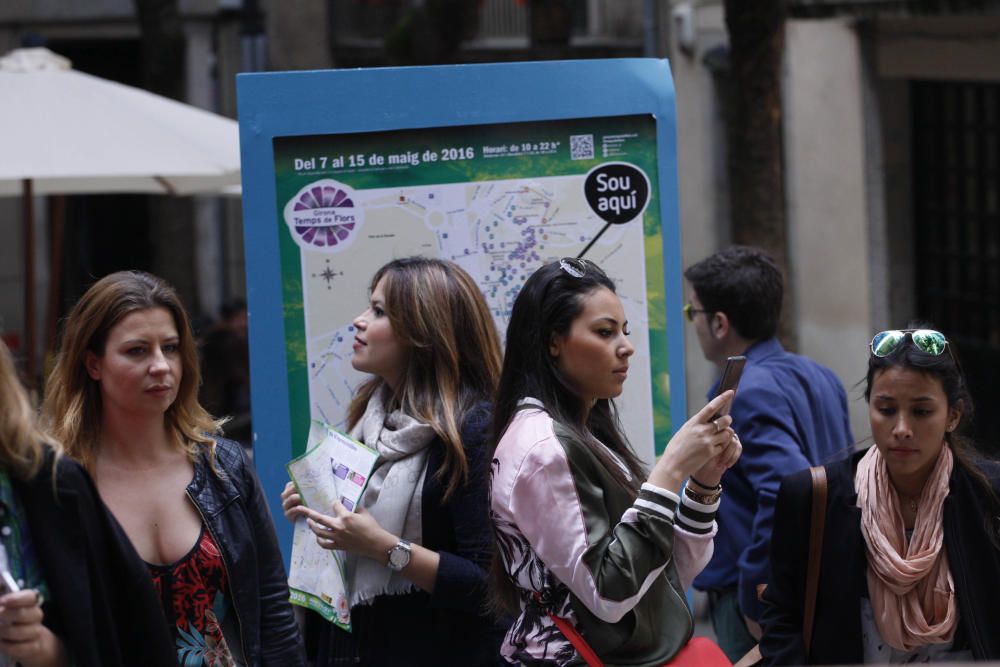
pixel 551 299
pixel 453 359
pixel 947 370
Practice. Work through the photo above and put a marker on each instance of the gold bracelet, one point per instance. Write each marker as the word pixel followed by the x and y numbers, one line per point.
pixel 703 498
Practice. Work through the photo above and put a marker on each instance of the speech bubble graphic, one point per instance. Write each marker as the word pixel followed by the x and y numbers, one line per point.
pixel 617 192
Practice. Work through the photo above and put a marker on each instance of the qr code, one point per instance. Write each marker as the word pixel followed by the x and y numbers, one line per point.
pixel 581 147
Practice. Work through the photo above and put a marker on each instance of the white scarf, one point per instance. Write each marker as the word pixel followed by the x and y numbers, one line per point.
pixel 393 495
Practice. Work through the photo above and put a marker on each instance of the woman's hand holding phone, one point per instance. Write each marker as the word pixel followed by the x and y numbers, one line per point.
pixel 22 635
pixel 711 473
pixel 696 444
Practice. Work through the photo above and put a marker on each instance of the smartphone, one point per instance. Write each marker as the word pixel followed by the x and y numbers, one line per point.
pixel 7 583
pixel 731 375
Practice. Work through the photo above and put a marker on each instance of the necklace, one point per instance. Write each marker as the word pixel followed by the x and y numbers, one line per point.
pixel 911 503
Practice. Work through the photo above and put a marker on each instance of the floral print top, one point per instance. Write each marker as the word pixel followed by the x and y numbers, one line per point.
pixel 194 594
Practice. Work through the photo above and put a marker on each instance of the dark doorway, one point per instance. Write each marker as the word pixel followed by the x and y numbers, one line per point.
pixel 956 186
pixel 102 233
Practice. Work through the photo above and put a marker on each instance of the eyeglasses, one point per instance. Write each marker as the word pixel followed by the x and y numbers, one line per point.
pixel 690 311
pixel 927 341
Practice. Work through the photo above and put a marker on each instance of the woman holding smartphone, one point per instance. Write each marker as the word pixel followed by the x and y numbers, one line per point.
pixel 417 550
pixel 585 535
pixel 74 590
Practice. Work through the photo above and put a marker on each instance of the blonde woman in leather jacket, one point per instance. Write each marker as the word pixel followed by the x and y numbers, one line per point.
pixel 123 398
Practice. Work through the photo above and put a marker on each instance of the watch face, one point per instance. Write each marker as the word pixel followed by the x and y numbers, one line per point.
pixel 399 557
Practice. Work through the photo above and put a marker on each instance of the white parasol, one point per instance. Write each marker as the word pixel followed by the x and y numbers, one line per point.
pixel 66 132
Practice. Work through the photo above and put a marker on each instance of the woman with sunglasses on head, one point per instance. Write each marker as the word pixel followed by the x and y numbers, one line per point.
pixel 584 533
pixel 122 397
pixel 72 589
pixel 417 550
pixel 910 560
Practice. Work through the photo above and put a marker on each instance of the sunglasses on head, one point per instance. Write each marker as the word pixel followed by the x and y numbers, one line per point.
pixel 577 267
pixel 927 341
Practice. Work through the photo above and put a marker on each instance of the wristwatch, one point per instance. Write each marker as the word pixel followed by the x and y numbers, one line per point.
pixel 399 556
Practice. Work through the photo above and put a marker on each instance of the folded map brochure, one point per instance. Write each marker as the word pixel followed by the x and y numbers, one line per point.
pixel 334 468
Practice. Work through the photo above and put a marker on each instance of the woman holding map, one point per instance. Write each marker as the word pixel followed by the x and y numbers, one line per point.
pixel 613 561
pixel 122 397
pixel 418 548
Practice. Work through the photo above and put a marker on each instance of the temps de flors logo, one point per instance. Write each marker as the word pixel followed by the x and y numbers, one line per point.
pixel 323 216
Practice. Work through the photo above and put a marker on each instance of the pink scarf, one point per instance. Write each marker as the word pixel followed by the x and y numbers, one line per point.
pixel 910 585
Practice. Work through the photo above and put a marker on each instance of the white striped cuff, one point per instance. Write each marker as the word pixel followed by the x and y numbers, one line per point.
pixel 697 517
pixel 656 500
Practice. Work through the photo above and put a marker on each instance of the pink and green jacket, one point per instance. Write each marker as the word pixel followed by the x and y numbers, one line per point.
pixel 614 565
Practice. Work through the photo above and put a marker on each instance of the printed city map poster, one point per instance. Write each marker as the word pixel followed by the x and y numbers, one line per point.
pixel 500 200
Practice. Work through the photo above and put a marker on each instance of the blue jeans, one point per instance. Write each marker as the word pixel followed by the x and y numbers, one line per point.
pixel 727 621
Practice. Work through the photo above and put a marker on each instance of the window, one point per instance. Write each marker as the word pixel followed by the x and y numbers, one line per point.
pixel 956 197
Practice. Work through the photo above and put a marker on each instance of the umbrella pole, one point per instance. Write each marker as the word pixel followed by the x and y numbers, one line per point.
pixel 29 282
pixel 57 217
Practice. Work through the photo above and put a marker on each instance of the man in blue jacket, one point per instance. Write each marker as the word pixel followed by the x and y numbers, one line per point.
pixel 790 413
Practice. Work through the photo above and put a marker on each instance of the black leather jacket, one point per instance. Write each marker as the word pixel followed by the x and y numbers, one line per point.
pixel 101 601
pixel 235 511
pixel 972 556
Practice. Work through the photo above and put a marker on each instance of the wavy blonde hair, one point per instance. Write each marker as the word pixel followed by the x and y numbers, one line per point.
pixel 21 449
pixel 453 361
pixel 72 406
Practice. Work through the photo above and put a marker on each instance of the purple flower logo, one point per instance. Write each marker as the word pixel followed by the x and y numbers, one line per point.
pixel 323 216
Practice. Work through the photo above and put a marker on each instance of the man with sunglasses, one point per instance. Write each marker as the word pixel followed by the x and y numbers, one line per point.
pixel 789 412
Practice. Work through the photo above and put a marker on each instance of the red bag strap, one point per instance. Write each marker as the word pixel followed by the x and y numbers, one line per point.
pixel 699 651
pixel 574 637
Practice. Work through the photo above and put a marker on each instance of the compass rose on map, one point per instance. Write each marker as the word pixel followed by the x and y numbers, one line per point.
pixel 323 216
pixel 329 275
